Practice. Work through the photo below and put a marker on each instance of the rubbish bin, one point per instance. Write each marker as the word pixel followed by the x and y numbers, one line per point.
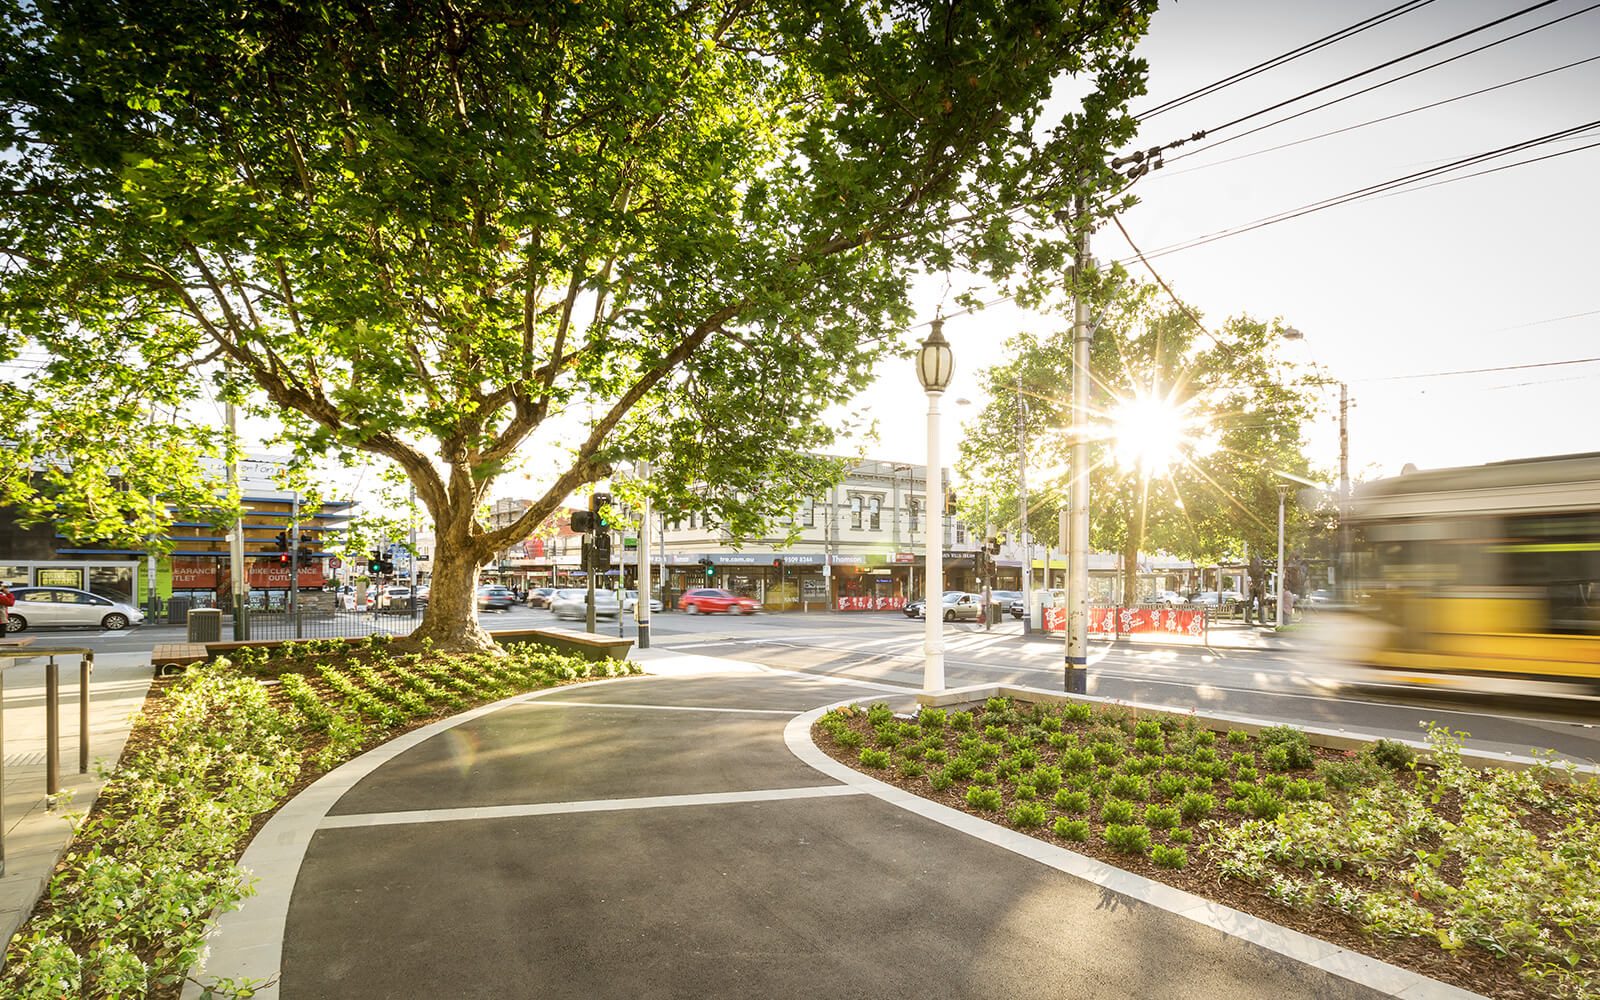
pixel 995 612
pixel 205 625
pixel 178 610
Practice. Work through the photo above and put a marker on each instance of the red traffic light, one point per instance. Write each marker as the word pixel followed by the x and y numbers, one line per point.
pixel 283 557
pixel 777 564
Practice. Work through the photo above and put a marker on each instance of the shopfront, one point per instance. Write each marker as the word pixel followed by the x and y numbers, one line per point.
pixel 870 582
pixel 115 581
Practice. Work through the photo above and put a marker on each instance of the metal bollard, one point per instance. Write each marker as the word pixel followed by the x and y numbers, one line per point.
pixel 85 669
pixel 52 728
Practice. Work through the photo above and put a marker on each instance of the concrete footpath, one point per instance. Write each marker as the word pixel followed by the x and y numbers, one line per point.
pixel 36 834
pixel 677 835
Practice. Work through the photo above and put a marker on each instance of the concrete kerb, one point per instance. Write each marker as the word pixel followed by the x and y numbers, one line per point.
pixel 1332 739
pixel 1330 958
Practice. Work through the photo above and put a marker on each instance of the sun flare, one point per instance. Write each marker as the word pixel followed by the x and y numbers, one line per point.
pixel 1147 434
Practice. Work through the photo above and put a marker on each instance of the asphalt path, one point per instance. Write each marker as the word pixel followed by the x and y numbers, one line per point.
pixel 657 838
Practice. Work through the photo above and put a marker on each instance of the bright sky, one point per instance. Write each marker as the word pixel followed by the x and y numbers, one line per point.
pixel 1477 273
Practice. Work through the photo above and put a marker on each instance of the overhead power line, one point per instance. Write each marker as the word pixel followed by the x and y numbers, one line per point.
pixel 1479 371
pixel 1367 123
pixel 1386 64
pixel 1381 187
pixel 1380 84
pixel 1289 56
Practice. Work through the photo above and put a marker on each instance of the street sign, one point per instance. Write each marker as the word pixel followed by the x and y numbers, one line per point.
pixel 335 562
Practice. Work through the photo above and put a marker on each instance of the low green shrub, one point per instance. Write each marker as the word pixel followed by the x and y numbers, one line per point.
pixel 1180 835
pixel 1296 745
pixel 1028 815
pixel 1194 806
pixel 1024 791
pixel 850 738
pixel 1149 744
pixel 962 768
pixel 1238 737
pixel 1262 804
pixel 1028 759
pixel 1349 775
pixel 984 799
pixel 1391 754
pixel 940 779
pixel 1050 723
pixel 1107 753
pixel 875 758
pixel 1076 759
pixel 1160 817
pixel 999 707
pixel 1077 712
pixel 1171 786
pixel 1007 767
pixel 1047 779
pixel 879 713
pixel 1116 811
pixel 1169 857
pixel 1061 741
pixel 910 768
pixel 936 757
pixel 914 751
pixel 961 721
pixel 995 732
pixel 1302 790
pixel 1072 802
pixel 984 779
pixel 1072 829
pixel 1147 728
pixel 1132 839
pixel 932 719
pixel 1276 758
pixel 1128 786
pixel 886 736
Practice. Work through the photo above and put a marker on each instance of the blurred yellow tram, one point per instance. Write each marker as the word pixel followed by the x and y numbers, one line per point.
pixel 1485 573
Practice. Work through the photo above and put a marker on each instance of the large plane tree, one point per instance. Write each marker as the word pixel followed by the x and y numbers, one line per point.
pixel 462 236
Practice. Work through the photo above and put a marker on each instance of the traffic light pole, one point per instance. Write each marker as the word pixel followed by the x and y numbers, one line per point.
pixel 294 562
pixel 589 561
pixel 1077 631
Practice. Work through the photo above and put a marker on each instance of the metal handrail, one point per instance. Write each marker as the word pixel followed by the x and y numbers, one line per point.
pixel 52 725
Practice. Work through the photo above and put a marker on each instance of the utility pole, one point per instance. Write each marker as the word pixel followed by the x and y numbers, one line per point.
pixel 1077 634
pixel 293 596
pixel 1283 496
pixel 1344 589
pixel 411 516
pixel 1022 508
pixel 641 608
pixel 987 563
pixel 241 592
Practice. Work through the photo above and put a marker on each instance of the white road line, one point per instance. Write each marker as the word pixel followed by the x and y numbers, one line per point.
pixel 553 703
pixel 469 813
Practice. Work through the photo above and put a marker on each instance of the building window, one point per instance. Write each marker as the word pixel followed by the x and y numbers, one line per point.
pixel 961 534
pixel 855 513
pixel 808 513
pixel 874 518
pixel 911 515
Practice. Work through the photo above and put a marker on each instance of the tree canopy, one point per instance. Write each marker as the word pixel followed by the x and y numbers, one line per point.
pixel 461 236
pixel 1191 430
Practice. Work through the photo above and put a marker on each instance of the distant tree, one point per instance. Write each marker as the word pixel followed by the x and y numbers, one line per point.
pixel 1190 434
pixel 456 234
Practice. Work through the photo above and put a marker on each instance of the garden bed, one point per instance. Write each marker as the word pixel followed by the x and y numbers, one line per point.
pixel 214 753
pixel 1488 879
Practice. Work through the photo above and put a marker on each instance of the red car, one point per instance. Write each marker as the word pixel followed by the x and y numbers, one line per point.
pixel 708 599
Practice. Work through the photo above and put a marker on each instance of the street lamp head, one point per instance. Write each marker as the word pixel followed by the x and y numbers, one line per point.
pixel 935 362
pixel 1290 333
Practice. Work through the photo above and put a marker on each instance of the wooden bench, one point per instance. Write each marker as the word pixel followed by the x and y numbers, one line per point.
pixel 590 646
pixel 172 657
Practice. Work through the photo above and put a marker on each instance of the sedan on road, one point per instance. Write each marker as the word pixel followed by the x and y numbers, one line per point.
pixel 539 597
pixel 68 607
pixel 709 600
pixel 495 598
pixel 959 607
pixel 630 602
pixel 574 603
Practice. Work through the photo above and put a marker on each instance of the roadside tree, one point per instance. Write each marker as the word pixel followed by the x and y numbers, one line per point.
pixel 1191 432
pixel 463 236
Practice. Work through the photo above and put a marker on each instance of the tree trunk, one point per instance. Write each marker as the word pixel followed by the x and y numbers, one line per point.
pixel 451 620
pixel 1130 569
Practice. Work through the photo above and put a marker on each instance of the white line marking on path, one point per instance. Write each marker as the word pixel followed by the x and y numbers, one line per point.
pixel 554 703
pixel 468 813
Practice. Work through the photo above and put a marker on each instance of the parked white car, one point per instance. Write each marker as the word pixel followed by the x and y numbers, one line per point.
pixel 630 602
pixel 574 604
pixel 68 607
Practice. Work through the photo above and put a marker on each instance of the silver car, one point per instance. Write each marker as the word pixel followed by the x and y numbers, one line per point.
pixel 574 604
pixel 959 607
pixel 630 602
pixel 66 607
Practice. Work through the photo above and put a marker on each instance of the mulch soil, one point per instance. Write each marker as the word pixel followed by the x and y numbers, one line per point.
pixel 1471 968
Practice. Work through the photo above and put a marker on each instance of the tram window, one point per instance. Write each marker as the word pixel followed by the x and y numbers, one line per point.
pixel 1559 555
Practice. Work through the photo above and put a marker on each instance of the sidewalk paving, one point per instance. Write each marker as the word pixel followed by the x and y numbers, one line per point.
pixel 676 835
pixel 36 835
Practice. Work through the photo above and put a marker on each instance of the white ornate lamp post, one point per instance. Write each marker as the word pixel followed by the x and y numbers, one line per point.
pixel 1283 496
pixel 935 365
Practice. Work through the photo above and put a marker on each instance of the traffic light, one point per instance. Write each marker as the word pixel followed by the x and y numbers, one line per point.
pixel 282 542
pixel 375 563
pixel 283 558
pixel 386 567
pixel 995 541
pixel 710 567
pixel 950 503
pixel 582 522
pixel 598 504
pixel 602 548
pixel 777 564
